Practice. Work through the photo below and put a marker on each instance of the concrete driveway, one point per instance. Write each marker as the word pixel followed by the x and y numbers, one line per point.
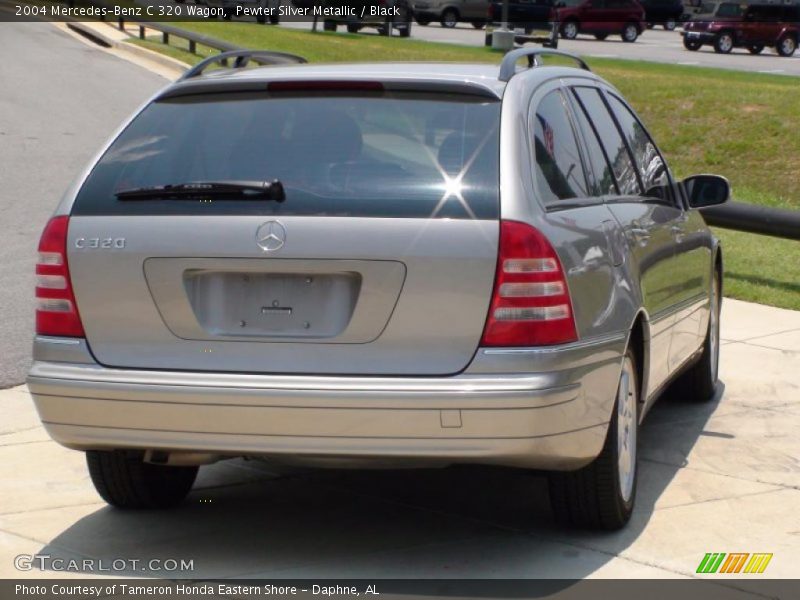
pixel 716 477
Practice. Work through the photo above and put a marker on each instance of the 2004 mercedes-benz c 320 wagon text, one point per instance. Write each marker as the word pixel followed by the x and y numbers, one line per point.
pixel 360 264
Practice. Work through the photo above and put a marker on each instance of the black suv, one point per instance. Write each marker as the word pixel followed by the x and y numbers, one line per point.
pixel 666 13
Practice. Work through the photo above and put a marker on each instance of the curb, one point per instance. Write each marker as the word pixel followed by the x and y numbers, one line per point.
pixel 119 43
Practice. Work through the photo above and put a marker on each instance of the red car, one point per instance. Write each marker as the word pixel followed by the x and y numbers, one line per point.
pixel 760 25
pixel 601 18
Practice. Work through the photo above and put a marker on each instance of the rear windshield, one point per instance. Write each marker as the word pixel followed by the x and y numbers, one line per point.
pixel 372 155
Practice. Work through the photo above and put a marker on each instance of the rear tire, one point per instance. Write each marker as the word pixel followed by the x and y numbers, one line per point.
pixel 569 30
pixel 602 494
pixel 353 28
pixel 786 45
pixel 423 22
pixel 449 18
pixel 690 45
pixel 700 381
pixel 478 24
pixel 670 24
pixel 328 26
pixel 601 36
pixel 630 32
pixel 723 43
pixel 124 480
pixel 755 48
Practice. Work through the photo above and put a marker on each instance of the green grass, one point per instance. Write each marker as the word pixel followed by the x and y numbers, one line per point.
pixel 740 125
pixel 761 269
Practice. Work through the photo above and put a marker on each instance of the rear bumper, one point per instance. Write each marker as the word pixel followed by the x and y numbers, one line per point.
pixel 553 419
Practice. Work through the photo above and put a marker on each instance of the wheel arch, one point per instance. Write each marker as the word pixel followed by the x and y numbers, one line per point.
pixel 639 341
pixel 451 7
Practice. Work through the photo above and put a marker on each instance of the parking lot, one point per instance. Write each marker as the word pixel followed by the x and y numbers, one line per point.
pixel 654 45
pixel 716 477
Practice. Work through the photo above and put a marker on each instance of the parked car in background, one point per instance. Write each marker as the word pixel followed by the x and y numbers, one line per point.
pixel 451 12
pixel 755 27
pixel 694 29
pixel 601 18
pixel 531 20
pixel 524 15
pixel 383 15
pixel 666 13
pixel 369 284
pixel 267 13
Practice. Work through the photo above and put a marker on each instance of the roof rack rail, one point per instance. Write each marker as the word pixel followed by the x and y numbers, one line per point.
pixel 241 58
pixel 508 67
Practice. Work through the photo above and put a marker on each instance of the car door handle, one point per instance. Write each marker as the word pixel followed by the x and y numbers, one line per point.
pixel 678 233
pixel 639 235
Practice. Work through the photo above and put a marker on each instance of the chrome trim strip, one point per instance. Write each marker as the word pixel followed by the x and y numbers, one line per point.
pixel 58 340
pixel 52 372
pixel 580 345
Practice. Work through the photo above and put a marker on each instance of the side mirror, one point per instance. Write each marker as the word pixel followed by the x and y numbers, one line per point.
pixel 706 190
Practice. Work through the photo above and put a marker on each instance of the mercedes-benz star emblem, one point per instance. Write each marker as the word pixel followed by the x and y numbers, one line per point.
pixel 271 236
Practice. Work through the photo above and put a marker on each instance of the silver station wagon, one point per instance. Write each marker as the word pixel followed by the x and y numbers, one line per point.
pixel 376 264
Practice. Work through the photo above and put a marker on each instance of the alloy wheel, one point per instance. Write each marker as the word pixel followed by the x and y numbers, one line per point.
pixel 713 330
pixel 626 429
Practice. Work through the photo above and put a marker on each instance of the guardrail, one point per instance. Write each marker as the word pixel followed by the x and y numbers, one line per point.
pixel 191 37
pixel 750 218
pixel 762 220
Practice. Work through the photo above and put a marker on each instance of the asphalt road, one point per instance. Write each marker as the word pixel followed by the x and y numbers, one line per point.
pixel 59 100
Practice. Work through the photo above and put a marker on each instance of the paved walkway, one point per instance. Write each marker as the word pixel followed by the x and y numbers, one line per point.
pixel 718 477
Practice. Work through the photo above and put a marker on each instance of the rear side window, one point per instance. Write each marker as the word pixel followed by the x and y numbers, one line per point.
pixel 652 168
pixel 374 155
pixel 559 170
pixel 602 184
pixel 615 147
pixel 729 9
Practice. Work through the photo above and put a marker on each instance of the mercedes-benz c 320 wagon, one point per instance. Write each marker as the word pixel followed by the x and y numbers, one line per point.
pixel 376 263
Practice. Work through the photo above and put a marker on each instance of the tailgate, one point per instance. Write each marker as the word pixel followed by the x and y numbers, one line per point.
pixel 380 261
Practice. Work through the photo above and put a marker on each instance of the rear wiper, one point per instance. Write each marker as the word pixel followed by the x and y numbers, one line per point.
pixel 239 190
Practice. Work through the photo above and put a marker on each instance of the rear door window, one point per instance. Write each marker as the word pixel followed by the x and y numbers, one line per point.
pixel 558 167
pixel 601 177
pixel 372 155
pixel 651 165
pixel 615 147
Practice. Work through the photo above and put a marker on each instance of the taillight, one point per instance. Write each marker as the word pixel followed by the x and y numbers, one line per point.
pixel 530 304
pixel 56 311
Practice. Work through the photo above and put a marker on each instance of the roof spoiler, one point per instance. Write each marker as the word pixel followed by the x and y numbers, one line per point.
pixel 241 58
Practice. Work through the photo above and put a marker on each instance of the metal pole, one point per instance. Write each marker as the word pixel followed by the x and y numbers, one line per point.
pixel 505 14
